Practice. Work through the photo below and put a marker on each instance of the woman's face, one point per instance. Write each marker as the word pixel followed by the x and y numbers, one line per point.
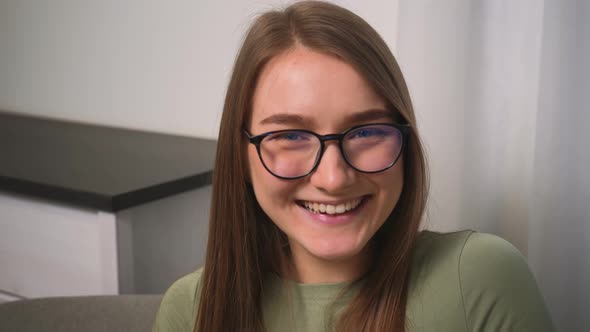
pixel 303 89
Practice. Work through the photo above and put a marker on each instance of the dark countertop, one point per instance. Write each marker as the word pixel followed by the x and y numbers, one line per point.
pixel 99 167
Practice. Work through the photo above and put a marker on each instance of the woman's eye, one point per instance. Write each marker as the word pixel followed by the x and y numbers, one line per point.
pixel 290 136
pixel 366 132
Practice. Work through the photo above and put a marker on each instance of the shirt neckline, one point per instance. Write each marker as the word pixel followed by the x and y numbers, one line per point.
pixel 318 291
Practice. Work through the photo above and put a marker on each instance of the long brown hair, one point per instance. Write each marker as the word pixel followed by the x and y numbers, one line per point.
pixel 244 245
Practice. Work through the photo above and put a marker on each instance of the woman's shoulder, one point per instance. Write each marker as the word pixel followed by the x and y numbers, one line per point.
pixel 435 249
pixel 480 280
pixel 179 305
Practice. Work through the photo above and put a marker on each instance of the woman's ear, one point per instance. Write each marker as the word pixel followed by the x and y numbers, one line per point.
pixel 246 162
pixel 247 176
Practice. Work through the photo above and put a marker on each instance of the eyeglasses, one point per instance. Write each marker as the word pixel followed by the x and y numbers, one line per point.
pixel 292 154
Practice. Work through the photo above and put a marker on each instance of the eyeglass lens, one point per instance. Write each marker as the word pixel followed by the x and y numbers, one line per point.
pixel 291 154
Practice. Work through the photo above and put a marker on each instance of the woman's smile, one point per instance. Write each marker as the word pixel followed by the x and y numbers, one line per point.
pixel 332 208
pixel 333 212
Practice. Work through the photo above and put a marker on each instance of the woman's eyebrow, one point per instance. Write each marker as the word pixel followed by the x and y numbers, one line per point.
pixel 371 115
pixel 304 122
pixel 287 119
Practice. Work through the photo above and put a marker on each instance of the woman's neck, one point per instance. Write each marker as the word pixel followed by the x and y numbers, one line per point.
pixel 309 269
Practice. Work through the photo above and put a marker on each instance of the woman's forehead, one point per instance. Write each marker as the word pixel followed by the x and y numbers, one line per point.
pixel 310 85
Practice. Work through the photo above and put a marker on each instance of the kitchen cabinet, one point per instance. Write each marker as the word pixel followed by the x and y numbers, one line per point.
pixel 87 210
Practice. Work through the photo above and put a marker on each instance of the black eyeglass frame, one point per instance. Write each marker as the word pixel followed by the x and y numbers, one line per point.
pixel 256 140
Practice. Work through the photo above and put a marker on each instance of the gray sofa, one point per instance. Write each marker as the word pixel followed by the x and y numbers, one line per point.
pixel 129 313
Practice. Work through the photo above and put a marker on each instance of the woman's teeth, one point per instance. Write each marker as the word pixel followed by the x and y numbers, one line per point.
pixel 332 209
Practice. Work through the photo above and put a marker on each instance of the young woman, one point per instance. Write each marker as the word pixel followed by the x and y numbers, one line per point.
pixel 319 188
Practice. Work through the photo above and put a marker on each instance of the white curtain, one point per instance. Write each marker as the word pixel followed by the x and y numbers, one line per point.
pixel 502 93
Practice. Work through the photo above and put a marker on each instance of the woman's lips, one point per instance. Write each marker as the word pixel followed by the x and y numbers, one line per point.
pixel 332 213
pixel 334 208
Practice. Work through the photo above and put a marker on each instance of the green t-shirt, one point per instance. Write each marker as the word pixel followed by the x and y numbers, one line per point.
pixel 463 281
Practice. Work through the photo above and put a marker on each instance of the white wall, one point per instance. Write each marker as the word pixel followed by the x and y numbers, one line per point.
pixel 500 89
pixel 51 249
pixel 153 65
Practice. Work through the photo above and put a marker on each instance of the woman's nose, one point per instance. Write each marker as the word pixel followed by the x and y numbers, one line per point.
pixel 333 174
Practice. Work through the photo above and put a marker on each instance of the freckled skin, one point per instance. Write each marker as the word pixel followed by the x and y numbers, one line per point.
pixel 325 91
